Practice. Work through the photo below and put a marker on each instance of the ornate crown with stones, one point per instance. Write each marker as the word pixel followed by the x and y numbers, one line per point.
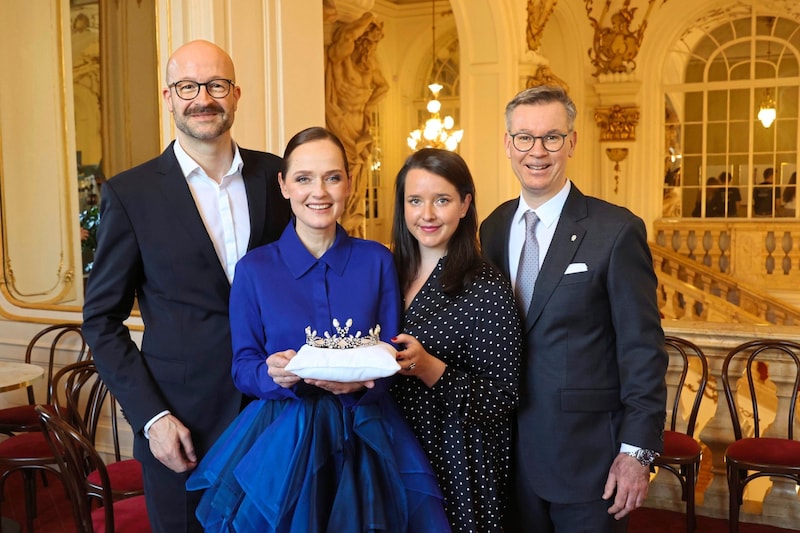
pixel 342 340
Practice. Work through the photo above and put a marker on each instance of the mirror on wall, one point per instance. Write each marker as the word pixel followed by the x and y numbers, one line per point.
pixel 84 105
pixel 87 97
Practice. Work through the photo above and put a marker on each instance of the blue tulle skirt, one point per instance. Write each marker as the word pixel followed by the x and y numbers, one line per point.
pixel 314 465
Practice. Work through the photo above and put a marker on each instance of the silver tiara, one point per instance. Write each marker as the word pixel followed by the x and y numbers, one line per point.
pixel 342 340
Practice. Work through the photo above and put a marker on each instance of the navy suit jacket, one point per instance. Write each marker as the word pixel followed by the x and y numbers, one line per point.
pixel 595 364
pixel 153 245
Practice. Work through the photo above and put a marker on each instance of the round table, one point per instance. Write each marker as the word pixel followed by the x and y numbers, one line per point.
pixel 18 375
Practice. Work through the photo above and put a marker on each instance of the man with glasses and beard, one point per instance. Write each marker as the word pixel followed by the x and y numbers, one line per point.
pixel 170 234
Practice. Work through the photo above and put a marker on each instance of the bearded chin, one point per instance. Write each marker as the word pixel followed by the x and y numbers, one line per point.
pixel 207 131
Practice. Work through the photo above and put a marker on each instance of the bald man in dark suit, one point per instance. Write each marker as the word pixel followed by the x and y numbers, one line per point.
pixel 170 234
pixel 593 393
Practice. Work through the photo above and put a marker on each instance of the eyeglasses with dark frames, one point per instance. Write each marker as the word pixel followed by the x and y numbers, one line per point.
pixel 188 89
pixel 552 142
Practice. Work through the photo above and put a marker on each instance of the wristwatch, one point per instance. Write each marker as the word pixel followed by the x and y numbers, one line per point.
pixel 644 456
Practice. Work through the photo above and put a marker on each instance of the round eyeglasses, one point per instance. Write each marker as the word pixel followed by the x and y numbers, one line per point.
pixel 552 142
pixel 188 89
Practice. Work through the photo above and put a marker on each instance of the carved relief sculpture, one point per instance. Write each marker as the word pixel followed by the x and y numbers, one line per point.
pixel 614 48
pixel 353 87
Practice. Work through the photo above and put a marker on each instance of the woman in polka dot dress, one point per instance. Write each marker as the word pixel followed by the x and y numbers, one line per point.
pixel 461 342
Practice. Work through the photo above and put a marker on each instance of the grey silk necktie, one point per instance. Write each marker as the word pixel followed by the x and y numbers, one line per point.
pixel 528 267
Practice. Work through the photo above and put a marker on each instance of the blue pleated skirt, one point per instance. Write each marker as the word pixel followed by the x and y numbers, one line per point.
pixel 314 465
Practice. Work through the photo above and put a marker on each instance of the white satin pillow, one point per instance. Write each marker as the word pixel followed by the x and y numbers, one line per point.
pixel 356 364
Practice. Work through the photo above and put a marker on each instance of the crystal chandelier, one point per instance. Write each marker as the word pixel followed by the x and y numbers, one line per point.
pixel 768 112
pixel 437 132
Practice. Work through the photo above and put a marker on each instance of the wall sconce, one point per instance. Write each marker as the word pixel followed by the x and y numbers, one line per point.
pixel 768 112
pixel 616 155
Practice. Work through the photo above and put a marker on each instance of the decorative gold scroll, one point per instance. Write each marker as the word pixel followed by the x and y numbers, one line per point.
pixel 614 48
pixel 539 12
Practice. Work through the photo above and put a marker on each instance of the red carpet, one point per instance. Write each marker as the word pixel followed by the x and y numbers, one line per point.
pixel 55 514
pixel 659 521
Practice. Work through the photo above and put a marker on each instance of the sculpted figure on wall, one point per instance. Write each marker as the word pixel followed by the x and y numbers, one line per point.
pixel 353 87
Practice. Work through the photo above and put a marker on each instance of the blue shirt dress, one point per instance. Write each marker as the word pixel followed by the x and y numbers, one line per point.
pixel 302 459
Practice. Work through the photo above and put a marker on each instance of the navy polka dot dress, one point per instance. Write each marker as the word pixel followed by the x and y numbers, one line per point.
pixel 464 421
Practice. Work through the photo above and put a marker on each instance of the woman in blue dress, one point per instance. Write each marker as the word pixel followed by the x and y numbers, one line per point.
pixel 312 455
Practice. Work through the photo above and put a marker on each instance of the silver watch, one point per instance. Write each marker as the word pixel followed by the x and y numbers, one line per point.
pixel 644 456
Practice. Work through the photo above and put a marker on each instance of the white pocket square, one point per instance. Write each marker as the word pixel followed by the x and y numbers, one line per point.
pixel 574 268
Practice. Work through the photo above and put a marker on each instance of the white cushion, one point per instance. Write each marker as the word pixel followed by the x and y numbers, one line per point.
pixel 356 364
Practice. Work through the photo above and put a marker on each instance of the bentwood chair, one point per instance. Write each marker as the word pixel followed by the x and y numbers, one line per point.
pixel 80 397
pixel 682 452
pixel 54 339
pixel 26 451
pixel 760 451
pixel 76 455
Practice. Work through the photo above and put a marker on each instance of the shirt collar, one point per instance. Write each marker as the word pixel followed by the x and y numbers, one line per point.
pixel 190 166
pixel 299 259
pixel 548 212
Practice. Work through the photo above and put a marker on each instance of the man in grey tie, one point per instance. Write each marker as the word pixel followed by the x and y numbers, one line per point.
pixel 593 394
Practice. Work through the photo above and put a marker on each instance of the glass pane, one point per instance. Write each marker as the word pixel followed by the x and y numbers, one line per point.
pixel 717 138
pixel 787 134
pixel 787 102
pixel 788 66
pixel 695 71
pixel 693 139
pixel 717 105
pixel 694 107
pixel 718 70
pixel 740 71
pixel 740 104
pixel 738 140
pixel 691 171
pixel 742 27
pixel 763 138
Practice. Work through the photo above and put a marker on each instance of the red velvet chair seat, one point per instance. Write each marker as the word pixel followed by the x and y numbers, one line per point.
pixel 130 515
pixel 126 477
pixel 680 445
pixel 25 445
pixel 20 415
pixel 765 450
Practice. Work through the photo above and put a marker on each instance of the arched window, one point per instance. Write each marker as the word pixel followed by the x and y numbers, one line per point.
pixel 718 153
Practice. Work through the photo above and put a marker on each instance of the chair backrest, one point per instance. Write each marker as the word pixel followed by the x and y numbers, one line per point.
pixel 80 395
pixel 64 337
pixel 754 360
pixel 76 456
pixel 687 352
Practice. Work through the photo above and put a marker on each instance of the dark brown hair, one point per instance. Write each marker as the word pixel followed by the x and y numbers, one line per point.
pixel 463 251
pixel 314 133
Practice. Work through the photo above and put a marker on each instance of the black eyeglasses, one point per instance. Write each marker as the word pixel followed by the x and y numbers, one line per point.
pixel 552 142
pixel 188 89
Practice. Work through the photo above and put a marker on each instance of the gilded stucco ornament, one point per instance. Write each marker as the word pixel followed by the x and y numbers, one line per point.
pixel 539 12
pixel 614 48
pixel 617 123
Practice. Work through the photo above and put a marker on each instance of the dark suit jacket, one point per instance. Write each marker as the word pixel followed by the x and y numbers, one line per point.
pixel 595 361
pixel 152 244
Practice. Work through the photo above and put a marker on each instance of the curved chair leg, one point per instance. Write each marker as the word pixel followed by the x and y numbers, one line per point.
pixel 29 482
pixel 734 499
pixel 691 484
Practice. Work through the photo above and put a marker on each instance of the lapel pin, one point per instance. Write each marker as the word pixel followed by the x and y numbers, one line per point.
pixel 573 238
